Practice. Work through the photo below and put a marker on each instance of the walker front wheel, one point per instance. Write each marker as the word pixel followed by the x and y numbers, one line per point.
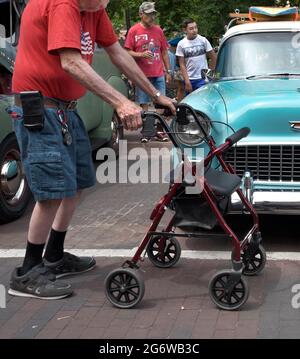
pixel 225 295
pixel 164 252
pixel 124 287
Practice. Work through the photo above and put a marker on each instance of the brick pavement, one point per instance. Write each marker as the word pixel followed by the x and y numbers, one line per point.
pixel 176 305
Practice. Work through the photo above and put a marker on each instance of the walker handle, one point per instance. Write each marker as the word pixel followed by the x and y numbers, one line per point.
pixel 235 137
pixel 167 112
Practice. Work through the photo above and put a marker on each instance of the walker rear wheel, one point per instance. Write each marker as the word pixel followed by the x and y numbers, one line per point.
pixel 164 255
pixel 225 297
pixel 254 262
pixel 124 287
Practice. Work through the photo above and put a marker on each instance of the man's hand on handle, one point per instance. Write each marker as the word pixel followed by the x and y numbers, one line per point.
pixel 130 115
pixel 166 102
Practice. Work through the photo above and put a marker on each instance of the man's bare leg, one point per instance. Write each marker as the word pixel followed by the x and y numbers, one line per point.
pixel 40 224
pixel 65 213
pixel 41 220
pixel 55 247
pixel 61 262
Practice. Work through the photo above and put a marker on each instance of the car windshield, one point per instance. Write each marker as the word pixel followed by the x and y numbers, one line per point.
pixel 259 54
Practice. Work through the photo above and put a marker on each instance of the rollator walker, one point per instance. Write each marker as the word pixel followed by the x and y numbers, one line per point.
pixel 228 289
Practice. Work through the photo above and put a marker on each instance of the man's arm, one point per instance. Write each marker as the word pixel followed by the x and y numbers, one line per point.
pixel 185 75
pixel 166 61
pixel 213 59
pixel 128 66
pixel 81 71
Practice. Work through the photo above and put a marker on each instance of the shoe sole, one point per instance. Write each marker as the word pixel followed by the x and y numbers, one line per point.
pixel 75 273
pixel 27 295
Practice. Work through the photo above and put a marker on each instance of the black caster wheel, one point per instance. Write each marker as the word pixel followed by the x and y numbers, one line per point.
pixel 171 252
pixel 124 287
pixel 222 297
pixel 254 262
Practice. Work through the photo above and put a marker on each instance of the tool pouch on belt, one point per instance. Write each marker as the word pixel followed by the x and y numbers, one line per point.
pixel 33 110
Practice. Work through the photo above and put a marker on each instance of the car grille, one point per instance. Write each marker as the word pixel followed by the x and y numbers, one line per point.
pixel 266 163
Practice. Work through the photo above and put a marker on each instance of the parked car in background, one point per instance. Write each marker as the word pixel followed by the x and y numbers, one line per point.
pixel 101 123
pixel 256 84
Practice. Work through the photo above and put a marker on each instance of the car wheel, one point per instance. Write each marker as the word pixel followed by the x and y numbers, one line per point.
pixel 14 191
pixel 117 134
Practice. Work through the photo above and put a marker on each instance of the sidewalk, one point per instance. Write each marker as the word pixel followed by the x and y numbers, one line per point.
pixel 176 305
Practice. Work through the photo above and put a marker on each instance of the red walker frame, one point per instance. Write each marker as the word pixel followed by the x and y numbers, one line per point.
pixel 234 282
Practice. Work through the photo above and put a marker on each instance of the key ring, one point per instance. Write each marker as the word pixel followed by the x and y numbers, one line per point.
pixel 62 117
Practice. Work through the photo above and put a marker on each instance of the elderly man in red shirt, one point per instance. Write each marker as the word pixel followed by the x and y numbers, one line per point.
pixel 53 70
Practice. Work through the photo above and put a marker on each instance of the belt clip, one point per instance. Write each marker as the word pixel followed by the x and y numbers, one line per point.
pixel 71 105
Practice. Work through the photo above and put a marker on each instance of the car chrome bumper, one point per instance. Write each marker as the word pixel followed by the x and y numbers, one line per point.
pixel 270 202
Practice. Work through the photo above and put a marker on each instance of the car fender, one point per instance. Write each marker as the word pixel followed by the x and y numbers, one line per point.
pixel 6 124
pixel 103 130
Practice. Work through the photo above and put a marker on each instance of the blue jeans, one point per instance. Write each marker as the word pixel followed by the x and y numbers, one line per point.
pixel 54 170
pixel 158 82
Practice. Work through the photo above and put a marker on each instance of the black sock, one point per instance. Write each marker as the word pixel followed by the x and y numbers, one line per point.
pixel 33 256
pixel 55 247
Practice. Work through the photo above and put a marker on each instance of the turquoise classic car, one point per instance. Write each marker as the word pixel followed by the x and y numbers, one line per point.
pixel 100 121
pixel 256 84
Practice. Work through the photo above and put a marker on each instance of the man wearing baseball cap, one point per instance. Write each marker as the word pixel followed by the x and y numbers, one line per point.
pixel 147 44
pixel 147 7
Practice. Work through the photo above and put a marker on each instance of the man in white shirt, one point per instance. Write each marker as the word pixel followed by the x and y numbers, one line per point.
pixel 192 52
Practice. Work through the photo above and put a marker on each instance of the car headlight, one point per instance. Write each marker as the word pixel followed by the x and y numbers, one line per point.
pixel 189 133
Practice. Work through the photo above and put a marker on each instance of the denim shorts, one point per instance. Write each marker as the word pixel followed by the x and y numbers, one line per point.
pixel 158 82
pixel 53 169
pixel 196 84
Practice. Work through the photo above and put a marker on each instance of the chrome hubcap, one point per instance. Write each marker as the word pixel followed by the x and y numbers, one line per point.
pixel 12 178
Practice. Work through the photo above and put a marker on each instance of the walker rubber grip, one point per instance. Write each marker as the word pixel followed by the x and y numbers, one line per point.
pixel 235 137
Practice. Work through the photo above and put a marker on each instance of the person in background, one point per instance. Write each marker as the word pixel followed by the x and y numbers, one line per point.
pixel 147 44
pixel 176 72
pixel 193 52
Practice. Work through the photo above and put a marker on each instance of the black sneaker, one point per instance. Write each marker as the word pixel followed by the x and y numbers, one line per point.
pixel 70 265
pixel 38 282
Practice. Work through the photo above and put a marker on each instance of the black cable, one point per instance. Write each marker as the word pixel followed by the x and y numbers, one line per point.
pixel 226 124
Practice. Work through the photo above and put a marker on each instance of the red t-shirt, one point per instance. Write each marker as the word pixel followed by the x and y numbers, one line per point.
pixel 50 25
pixel 138 39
